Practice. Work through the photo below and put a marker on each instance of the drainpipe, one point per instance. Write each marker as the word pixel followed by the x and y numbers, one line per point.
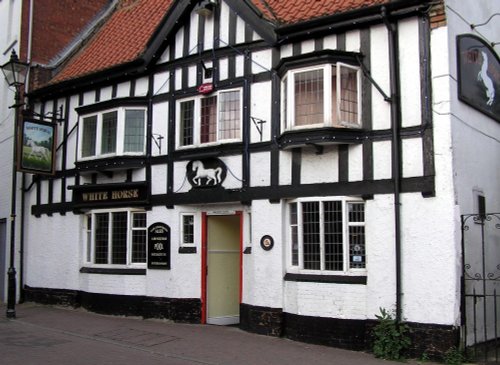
pixel 395 149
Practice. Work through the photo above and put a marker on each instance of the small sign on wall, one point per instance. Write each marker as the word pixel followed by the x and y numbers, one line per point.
pixel 159 246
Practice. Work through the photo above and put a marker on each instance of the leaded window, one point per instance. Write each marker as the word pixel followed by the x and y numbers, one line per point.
pixel 209 119
pixel 116 238
pixel 327 235
pixel 322 96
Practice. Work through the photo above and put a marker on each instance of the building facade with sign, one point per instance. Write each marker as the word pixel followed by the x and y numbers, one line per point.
pixel 292 169
pixel 37 33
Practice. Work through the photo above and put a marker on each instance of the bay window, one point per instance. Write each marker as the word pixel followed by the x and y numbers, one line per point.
pixel 322 96
pixel 116 237
pixel 327 235
pixel 209 119
pixel 113 133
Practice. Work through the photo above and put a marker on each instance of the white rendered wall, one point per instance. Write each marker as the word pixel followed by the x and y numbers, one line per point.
pixel 476 137
pixel 53 252
pixel 263 270
pixel 476 150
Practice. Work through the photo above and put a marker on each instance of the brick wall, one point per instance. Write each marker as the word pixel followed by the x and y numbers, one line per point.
pixel 437 16
pixel 55 24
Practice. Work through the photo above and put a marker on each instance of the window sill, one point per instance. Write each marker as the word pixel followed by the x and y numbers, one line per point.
pixel 110 164
pixel 320 136
pixel 333 279
pixel 112 271
pixel 187 249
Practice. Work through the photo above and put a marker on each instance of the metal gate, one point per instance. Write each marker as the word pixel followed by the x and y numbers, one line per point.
pixel 481 286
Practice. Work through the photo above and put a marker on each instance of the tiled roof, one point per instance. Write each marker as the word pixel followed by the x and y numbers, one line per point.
pixel 293 11
pixel 122 38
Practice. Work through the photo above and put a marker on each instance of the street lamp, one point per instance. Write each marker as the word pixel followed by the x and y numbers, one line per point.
pixel 15 75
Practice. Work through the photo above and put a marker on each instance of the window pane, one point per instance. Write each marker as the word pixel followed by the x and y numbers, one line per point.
pixel 89 136
pixel 294 234
pixel 101 238
pixel 335 121
pixel 139 246
pixel 89 238
pixel 134 131
pixel 188 229
pixel 348 95
pixel 139 220
pixel 187 122
pixel 229 115
pixel 119 232
pixel 285 102
pixel 108 142
pixel 139 237
pixel 311 236
pixel 334 258
pixel 309 97
pixel 357 247
pixel 208 119
pixel 356 212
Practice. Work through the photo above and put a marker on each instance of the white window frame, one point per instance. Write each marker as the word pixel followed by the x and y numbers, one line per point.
pixel 299 269
pixel 288 97
pixel 90 233
pixel 182 243
pixel 197 120
pixel 120 134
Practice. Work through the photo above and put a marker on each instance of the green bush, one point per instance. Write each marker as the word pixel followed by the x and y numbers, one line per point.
pixel 390 337
pixel 453 356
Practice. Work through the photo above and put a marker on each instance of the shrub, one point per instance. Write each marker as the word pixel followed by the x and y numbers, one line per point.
pixel 390 337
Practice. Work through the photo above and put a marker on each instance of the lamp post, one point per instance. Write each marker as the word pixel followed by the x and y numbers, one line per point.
pixel 15 75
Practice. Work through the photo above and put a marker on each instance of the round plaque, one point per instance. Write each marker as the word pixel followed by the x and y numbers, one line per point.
pixel 266 242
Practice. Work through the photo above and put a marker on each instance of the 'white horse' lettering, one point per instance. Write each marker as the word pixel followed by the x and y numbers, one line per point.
pixel 212 175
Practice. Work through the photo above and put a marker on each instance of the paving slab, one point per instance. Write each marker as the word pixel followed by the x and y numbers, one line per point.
pixel 56 335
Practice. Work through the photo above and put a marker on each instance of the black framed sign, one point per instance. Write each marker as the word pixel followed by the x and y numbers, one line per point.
pixel 478 75
pixel 36 147
pixel 110 195
pixel 159 246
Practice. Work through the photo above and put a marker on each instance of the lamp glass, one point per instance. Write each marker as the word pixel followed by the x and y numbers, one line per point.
pixel 14 70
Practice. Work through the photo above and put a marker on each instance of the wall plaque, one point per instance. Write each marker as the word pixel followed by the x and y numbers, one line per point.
pixel 159 246
pixel 206 173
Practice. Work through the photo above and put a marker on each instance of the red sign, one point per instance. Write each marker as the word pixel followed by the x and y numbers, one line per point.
pixel 206 88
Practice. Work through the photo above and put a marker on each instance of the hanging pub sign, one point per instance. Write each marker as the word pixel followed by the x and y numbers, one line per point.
pixel 159 246
pixel 478 75
pixel 36 147
pixel 206 173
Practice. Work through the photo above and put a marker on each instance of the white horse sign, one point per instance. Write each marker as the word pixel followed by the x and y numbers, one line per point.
pixel 207 173
pixel 36 152
pixel 478 75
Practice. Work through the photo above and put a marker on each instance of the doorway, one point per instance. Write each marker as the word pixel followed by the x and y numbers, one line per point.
pixel 222 268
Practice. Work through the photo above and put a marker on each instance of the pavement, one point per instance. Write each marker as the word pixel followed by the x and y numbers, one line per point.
pixel 46 335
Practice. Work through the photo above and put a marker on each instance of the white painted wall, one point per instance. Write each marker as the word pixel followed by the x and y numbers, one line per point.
pixel 475 144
